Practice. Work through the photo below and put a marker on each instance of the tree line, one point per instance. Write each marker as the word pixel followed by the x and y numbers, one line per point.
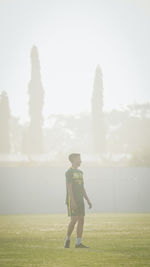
pixel 124 131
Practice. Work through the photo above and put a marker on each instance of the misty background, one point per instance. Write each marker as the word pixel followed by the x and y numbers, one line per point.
pixel 74 78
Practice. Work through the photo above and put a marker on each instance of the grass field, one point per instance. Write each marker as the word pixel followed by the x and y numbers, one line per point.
pixel 37 240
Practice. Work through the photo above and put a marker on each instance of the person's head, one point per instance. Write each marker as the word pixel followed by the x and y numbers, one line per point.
pixel 75 159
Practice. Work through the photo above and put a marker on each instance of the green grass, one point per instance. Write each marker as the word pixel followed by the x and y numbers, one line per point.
pixel 37 240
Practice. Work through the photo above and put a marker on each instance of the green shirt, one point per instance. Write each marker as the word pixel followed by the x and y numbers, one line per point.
pixel 75 177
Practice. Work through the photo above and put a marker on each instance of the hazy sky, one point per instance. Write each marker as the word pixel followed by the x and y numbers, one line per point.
pixel 72 37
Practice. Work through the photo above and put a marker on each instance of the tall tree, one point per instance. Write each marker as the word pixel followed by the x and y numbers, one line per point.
pixel 98 125
pixel 33 139
pixel 4 124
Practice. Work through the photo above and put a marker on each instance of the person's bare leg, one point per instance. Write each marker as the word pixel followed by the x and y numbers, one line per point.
pixel 80 226
pixel 71 225
pixel 79 233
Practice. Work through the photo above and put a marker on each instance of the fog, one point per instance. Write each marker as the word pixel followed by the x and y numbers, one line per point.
pixel 75 78
pixel 72 38
pixel 43 190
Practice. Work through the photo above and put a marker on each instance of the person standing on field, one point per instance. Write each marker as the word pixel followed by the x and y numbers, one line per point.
pixel 75 200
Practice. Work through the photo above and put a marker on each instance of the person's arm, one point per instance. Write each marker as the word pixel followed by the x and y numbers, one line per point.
pixel 87 199
pixel 69 188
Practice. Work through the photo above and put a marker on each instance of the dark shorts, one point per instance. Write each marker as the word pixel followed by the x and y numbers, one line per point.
pixel 79 211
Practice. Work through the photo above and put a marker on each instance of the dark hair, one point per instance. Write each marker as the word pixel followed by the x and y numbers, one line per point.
pixel 72 156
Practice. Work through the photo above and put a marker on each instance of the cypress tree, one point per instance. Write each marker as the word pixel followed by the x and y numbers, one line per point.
pixel 98 126
pixel 33 138
pixel 4 124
